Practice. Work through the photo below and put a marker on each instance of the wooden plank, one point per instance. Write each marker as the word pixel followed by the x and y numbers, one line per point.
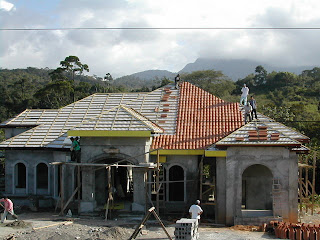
pixel 99 165
pixel 54 224
pixel 201 177
pixel 313 180
pixel 61 187
pixel 69 200
pixel 157 181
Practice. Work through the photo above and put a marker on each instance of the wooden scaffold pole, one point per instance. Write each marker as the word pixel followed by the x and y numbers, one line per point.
pixel 157 182
pixel 313 180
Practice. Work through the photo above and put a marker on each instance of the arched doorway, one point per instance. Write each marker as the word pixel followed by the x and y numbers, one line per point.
pixel 257 188
pixel 120 180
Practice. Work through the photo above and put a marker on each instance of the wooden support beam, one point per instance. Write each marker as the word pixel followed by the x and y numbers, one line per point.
pixel 79 183
pixel 61 187
pixel 300 189
pixel 141 225
pixel 313 180
pixel 201 177
pixel 157 181
pixel 69 200
pixel 110 197
pixel 54 224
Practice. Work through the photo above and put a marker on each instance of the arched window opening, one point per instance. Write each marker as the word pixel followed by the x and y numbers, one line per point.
pixel 20 175
pixel 42 176
pixel 176 183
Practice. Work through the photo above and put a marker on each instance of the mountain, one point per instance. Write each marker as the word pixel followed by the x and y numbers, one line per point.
pixel 237 68
pixel 152 74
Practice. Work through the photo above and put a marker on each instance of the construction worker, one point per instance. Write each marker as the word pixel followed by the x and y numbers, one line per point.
pixel 247 113
pixel 253 104
pixel 195 211
pixel 177 80
pixel 75 150
pixel 244 95
pixel 8 208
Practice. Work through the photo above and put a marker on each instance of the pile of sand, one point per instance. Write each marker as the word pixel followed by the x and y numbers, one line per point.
pixel 57 236
pixel 117 233
pixel 250 228
pixel 18 224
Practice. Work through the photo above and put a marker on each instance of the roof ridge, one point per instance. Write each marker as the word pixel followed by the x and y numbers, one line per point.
pixel 139 116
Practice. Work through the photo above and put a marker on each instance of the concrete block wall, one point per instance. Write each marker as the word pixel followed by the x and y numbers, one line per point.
pixel 30 159
pixel 95 149
pixel 282 163
pixel 190 165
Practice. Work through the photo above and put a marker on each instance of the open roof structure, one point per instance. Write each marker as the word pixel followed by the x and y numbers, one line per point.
pixel 185 118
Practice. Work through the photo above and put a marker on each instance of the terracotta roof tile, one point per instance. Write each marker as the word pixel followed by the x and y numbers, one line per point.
pixel 202 120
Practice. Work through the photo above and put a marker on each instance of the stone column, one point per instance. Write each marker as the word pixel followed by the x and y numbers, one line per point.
pixel 139 194
pixel 88 202
pixel 293 188
pixel 220 207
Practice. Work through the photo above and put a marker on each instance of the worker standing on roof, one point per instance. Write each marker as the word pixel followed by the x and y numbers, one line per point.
pixel 253 104
pixel 177 80
pixel 75 150
pixel 244 95
pixel 247 113
pixel 8 208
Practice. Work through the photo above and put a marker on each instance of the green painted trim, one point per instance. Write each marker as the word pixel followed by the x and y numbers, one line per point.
pixel 178 152
pixel 105 133
pixel 215 153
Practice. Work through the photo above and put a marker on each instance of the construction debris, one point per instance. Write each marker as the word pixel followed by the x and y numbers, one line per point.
pixel 18 224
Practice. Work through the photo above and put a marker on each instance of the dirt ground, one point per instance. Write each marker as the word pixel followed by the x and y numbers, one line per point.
pixel 47 225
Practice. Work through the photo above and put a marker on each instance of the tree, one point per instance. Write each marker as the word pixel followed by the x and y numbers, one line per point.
pixel 73 66
pixel 212 81
pixel 55 94
pixel 69 67
pixel 260 75
pixel 107 79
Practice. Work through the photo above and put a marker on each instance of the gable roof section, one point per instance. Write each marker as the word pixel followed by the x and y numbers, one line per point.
pixel 61 120
pixel 287 131
pixel 202 120
pixel 120 118
pixel 258 133
pixel 31 117
pixel 53 125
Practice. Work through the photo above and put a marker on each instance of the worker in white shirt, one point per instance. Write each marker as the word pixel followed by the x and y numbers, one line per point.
pixel 244 95
pixel 195 210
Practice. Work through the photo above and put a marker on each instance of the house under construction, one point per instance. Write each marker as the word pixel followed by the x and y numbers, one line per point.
pixel 165 148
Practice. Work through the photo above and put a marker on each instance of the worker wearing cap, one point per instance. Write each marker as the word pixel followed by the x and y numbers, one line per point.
pixel 195 210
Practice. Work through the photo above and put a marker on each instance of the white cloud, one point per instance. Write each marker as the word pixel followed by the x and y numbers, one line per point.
pixel 6 6
pixel 127 51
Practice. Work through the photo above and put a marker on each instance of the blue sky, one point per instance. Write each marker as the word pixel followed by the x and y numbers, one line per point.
pixel 122 52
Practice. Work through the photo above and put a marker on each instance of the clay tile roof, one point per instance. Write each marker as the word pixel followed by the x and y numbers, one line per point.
pixel 202 120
